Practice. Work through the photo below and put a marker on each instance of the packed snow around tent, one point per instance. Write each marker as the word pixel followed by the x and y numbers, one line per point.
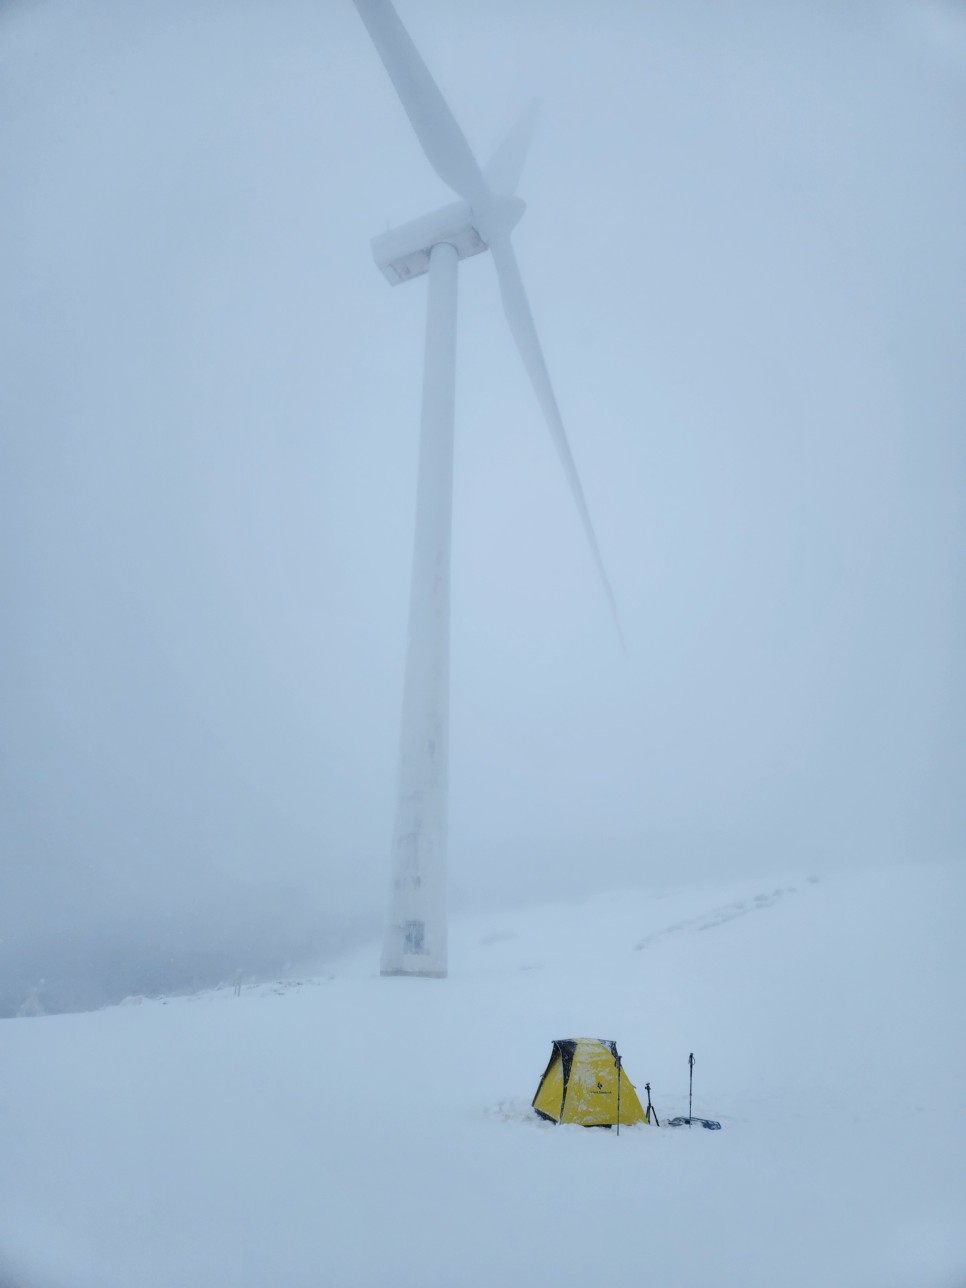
pixel 352 1130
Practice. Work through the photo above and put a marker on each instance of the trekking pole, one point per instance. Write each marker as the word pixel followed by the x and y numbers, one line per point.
pixel 617 1061
pixel 690 1083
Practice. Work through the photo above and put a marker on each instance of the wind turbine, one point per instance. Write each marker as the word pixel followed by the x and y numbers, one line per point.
pixel 415 936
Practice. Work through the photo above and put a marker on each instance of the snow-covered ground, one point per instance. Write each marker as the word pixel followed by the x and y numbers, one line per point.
pixel 349 1130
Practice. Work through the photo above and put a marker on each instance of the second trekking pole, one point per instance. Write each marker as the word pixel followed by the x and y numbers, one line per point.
pixel 617 1061
pixel 690 1083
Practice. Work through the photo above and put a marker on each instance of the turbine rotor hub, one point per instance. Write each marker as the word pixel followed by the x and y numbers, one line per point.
pixel 499 216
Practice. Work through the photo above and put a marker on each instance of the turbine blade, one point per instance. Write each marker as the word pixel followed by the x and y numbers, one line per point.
pixel 502 171
pixel 435 125
pixel 518 315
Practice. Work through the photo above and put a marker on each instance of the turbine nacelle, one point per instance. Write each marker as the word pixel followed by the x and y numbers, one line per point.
pixel 403 253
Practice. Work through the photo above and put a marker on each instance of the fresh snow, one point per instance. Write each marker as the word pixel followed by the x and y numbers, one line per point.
pixel 344 1129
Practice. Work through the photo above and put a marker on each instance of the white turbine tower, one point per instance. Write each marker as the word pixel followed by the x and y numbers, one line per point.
pixel 415 939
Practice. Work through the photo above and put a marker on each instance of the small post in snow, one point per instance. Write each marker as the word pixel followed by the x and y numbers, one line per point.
pixel 650 1108
pixel 690 1083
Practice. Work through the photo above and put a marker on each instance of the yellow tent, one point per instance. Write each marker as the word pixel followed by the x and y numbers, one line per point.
pixel 580 1085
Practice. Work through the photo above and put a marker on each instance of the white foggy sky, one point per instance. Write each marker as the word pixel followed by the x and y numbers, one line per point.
pixel 744 249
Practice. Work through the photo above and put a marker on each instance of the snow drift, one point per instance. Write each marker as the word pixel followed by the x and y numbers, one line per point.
pixel 352 1130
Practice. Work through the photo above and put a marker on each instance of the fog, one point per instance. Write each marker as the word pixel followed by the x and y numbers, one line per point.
pixel 744 248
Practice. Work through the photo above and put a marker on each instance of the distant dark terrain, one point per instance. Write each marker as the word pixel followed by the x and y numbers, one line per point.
pixel 259 931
